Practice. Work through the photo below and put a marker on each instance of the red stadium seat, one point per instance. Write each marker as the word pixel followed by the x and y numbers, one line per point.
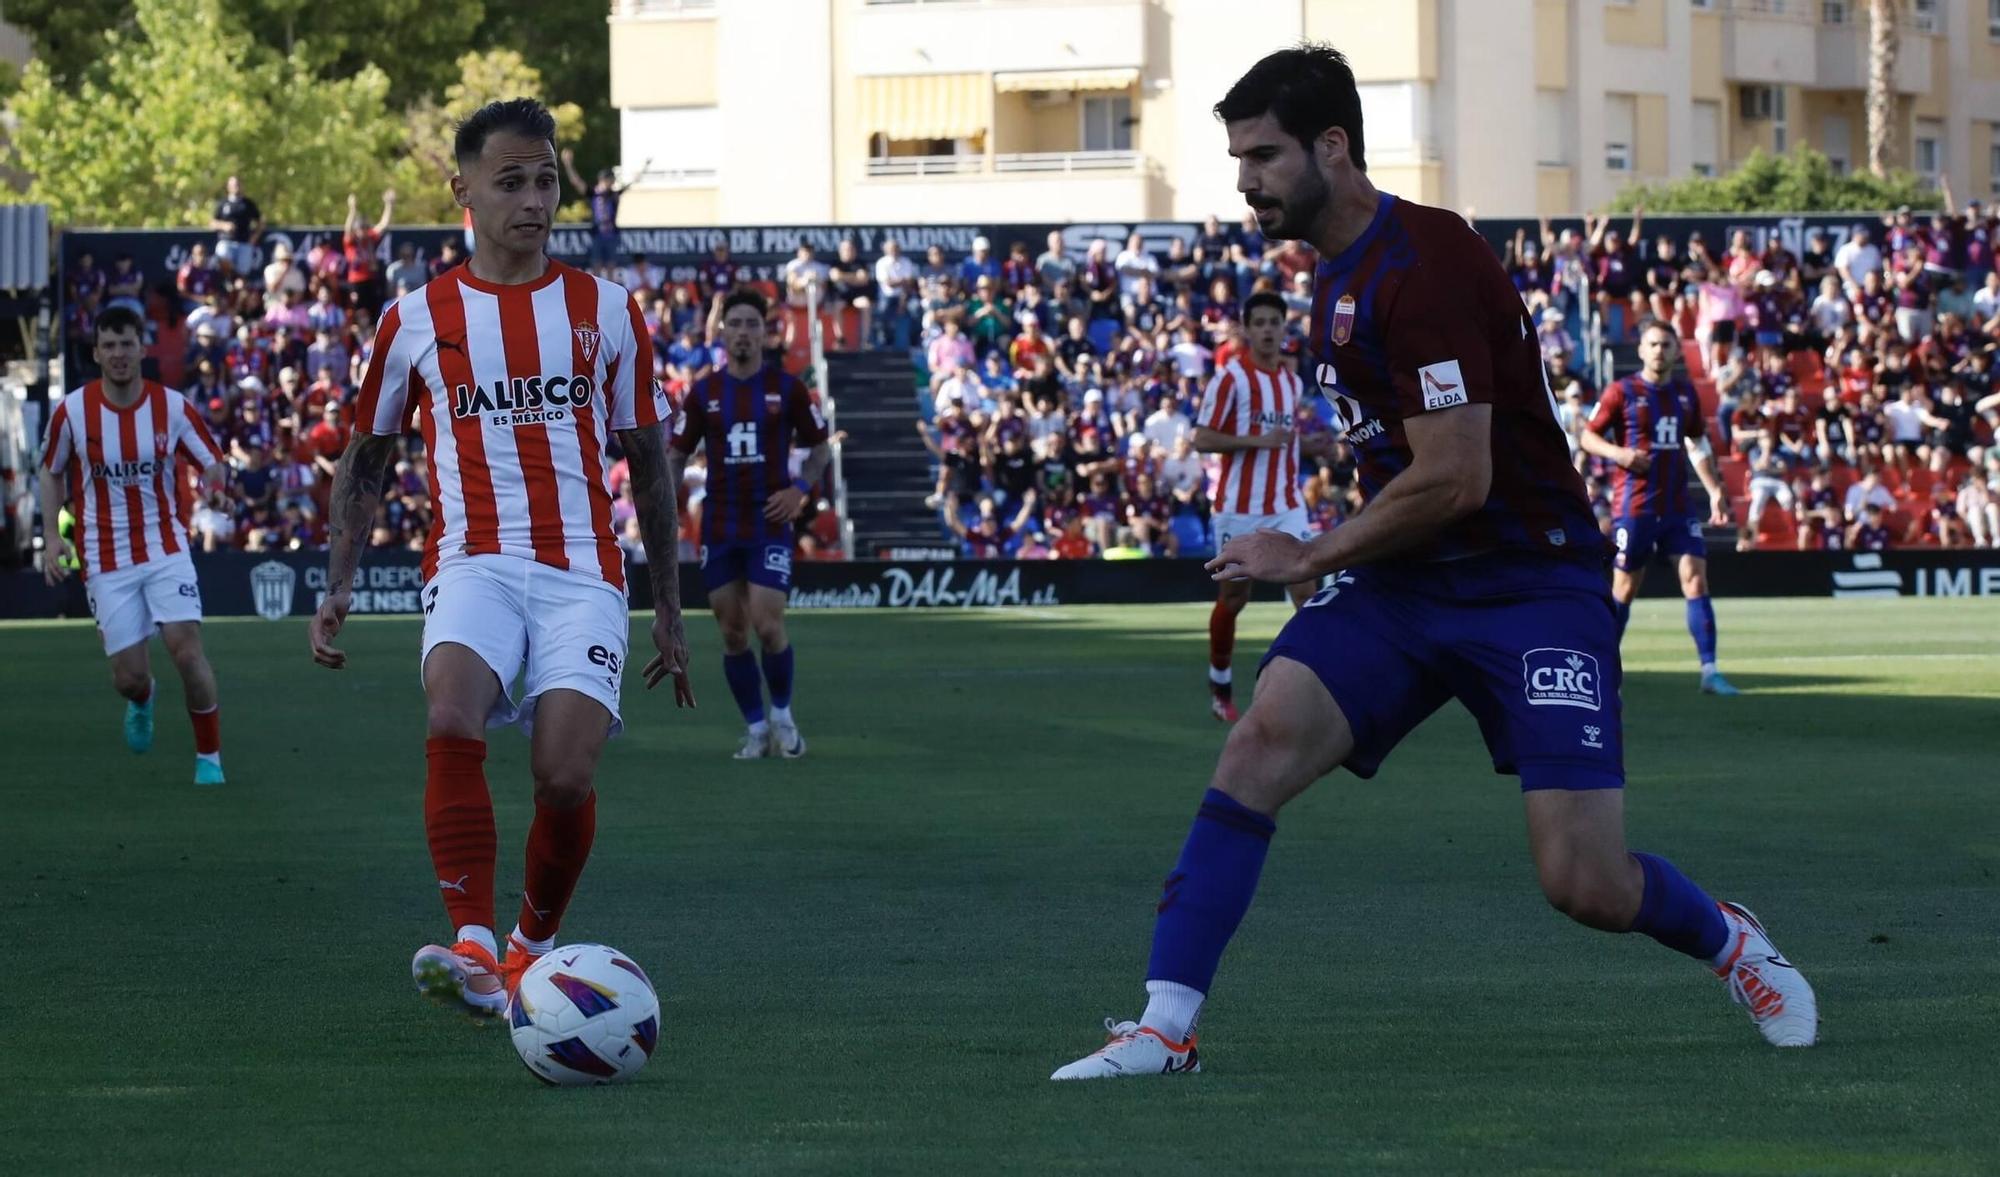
pixel 1844 476
pixel 1806 366
pixel 1920 481
pixel 1892 478
pixel 1777 529
pixel 1691 352
pixel 1704 390
pixel 1735 477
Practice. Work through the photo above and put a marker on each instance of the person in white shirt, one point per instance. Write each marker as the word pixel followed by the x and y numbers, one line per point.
pixel 641 275
pixel 1906 427
pixel 1167 425
pixel 1134 262
pixel 1856 258
pixel 806 273
pixel 1190 357
pixel 1868 490
pixel 1183 475
pixel 1986 299
pixel 1831 311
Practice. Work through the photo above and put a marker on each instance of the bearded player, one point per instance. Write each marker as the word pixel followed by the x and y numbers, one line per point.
pixel 1473 572
pixel 519 370
pixel 750 414
pixel 1650 428
pixel 113 451
pixel 1249 415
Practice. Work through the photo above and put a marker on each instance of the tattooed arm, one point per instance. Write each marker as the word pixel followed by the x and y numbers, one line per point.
pixel 787 504
pixel 350 515
pixel 653 493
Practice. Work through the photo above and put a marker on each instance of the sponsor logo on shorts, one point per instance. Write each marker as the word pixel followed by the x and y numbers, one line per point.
pixel 605 657
pixel 1443 385
pixel 1554 677
pixel 188 589
pixel 1593 736
pixel 778 560
pixel 271 586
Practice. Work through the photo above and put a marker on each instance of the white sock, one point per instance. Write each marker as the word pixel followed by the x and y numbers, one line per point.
pixel 1172 1009
pixel 1708 668
pixel 480 934
pixel 1220 678
pixel 214 758
pixel 781 715
pixel 538 947
pixel 760 727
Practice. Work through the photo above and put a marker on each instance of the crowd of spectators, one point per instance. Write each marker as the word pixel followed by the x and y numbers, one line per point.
pixel 1060 387
pixel 1850 388
pixel 272 356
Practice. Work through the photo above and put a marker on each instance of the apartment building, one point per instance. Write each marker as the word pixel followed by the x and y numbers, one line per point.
pixel 901 111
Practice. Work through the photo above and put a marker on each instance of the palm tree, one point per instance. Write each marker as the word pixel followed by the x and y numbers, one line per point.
pixel 1882 47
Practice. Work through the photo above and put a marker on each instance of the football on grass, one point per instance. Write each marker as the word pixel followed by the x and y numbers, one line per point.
pixel 584 1014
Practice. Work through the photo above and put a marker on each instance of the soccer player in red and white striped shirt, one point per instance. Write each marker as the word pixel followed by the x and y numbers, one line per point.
pixel 113 452
pixel 519 370
pixel 1248 416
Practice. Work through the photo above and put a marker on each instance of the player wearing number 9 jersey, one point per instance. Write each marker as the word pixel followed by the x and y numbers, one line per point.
pixel 750 415
pixel 1473 572
pixel 1650 428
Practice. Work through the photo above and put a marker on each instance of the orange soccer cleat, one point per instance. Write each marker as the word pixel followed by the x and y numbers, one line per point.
pixel 515 963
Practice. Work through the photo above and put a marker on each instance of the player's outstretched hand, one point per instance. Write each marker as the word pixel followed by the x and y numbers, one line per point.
pixel 670 639
pixel 1265 555
pixel 785 505
pixel 326 623
pixel 53 572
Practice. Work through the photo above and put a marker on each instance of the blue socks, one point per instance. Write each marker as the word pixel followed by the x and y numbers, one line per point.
pixel 778 672
pixel 1677 913
pixel 1701 624
pixel 1208 892
pixel 741 671
pixel 1623 611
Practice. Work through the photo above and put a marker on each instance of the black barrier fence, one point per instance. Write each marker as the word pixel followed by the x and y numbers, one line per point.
pixel 291 584
pixel 761 251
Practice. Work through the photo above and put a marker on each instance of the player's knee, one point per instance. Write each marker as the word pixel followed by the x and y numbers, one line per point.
pixel 562 785
pixel 447 717
pixel 128 682
pixel 1694 584
pixel 1253 764
pixel 1590 894
pixel 771 635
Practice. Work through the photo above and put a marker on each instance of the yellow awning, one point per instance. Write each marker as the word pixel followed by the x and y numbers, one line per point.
pixel 1067 79
pixel 927 106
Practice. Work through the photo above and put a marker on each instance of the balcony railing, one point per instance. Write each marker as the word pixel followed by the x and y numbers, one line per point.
pixel 660 7
pixel 1067 161
pixel 1011 163
pixel 1836 13
pixel 678 177
pixel 925 165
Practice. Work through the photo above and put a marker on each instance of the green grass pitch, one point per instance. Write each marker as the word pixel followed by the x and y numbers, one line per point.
pixel 872 958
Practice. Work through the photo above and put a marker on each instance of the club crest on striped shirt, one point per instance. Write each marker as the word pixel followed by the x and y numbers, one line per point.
pixel 1343 320
pixel 586 340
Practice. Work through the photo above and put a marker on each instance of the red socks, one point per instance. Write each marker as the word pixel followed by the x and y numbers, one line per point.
pixel 1221 636
pixel 458 818
pixel 558 846
pixel 207 731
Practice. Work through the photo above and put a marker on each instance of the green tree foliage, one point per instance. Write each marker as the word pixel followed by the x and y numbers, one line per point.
pixel 426 164
pixel 1802 181
pixel 68 35
pixel 154 126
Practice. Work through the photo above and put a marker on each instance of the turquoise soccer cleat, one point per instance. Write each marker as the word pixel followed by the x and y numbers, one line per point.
pixel 1713 683
pixel 207 772
pixel 139 725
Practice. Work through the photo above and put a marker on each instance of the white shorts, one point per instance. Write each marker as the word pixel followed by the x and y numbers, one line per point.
pixel 567 629
pixel 130 603
pixel 1293 523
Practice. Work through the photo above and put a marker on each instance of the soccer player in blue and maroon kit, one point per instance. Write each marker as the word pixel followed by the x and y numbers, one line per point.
pixel 1650 428
pixel 1474 572
pixel 750 415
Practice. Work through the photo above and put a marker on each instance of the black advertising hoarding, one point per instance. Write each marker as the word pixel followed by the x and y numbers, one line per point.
pixel 290 584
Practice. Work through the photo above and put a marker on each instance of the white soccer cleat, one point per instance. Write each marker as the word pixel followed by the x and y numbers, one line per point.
pixel 786 740
pixel 1760 978
pixel 1132 1049
pixel 756 745
pixel 465 972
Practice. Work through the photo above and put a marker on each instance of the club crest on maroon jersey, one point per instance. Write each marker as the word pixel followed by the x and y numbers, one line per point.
pixel 1343 320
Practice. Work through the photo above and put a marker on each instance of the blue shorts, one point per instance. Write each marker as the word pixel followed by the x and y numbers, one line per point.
pixel 1528 644
pixel 1637 538
pixel 767 564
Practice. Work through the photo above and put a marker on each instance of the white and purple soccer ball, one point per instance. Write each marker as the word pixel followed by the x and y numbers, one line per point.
pixel 584 1014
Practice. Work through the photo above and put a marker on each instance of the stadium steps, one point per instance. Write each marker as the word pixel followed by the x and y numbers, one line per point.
pixel 1625 362
pixel 888 470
